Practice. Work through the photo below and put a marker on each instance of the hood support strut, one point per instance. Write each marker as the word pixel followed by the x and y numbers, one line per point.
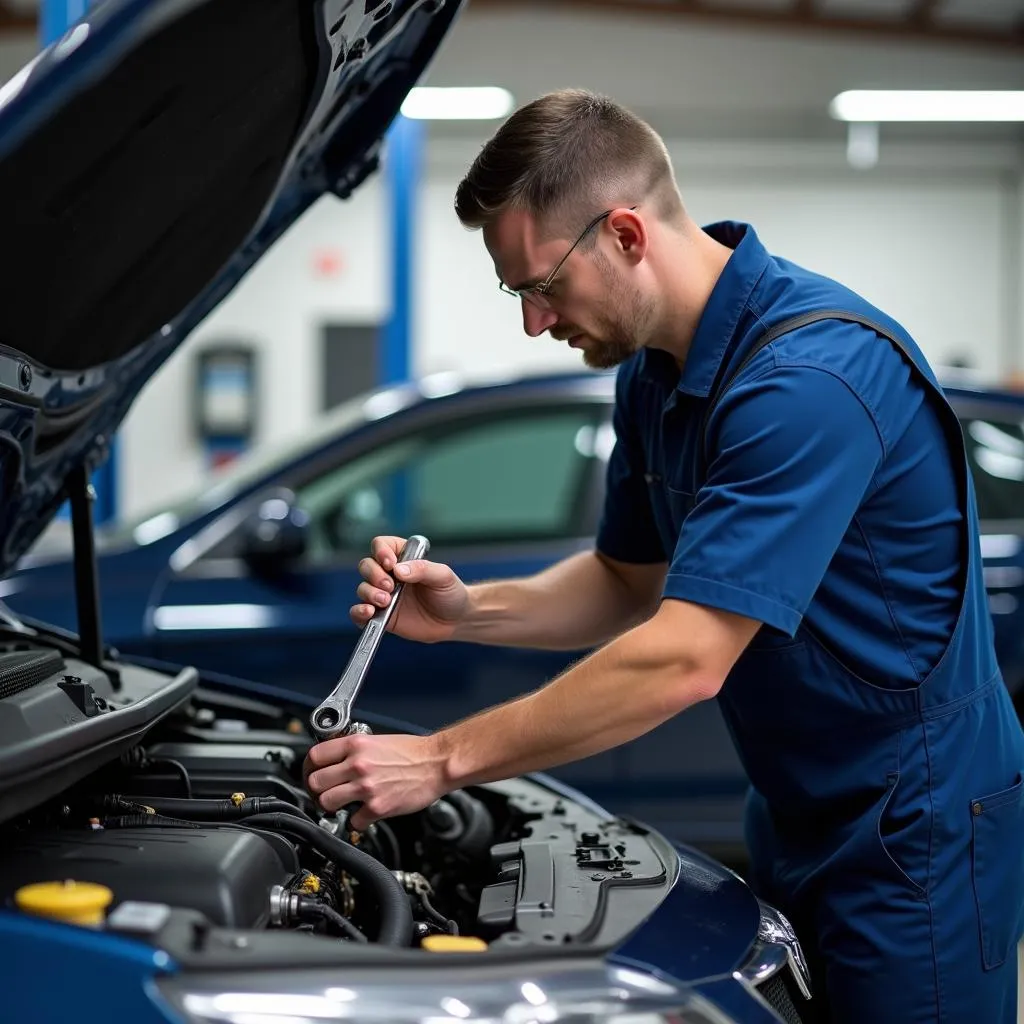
pixel 87 595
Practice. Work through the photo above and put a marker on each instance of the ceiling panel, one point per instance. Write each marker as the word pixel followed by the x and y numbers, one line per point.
pixel 994 24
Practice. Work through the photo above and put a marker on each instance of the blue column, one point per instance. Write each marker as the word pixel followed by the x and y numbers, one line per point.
pixel 55 17
pixel 402 161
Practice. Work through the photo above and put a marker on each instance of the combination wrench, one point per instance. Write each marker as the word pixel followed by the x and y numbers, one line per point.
pixel 333 717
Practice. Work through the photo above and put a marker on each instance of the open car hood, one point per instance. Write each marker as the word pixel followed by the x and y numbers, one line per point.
pixel 147 160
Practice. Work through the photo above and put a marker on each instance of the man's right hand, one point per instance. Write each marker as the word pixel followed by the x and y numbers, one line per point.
pixel 434 600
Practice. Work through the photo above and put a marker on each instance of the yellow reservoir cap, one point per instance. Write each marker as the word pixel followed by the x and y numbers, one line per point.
pixel 453 944
pixel 74 902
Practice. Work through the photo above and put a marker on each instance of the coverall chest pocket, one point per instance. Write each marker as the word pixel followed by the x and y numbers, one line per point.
pixel 998 870
pixel 670 507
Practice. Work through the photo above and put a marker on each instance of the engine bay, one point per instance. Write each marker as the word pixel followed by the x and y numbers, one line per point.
pixel 203 833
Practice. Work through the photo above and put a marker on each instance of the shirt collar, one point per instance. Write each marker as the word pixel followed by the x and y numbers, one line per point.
pixel 721 317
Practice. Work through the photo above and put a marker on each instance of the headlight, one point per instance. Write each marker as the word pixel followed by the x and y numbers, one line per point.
pixel 501 994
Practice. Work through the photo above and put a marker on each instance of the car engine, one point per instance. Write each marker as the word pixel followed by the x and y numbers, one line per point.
pixel 178 801
pixel 207 815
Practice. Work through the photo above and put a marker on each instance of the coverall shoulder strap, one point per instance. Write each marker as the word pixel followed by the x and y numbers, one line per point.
pixel 785 327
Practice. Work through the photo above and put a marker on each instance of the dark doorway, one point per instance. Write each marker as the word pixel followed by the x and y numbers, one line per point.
pixel 349 361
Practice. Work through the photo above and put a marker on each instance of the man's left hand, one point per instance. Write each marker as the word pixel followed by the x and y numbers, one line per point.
pixel 388 775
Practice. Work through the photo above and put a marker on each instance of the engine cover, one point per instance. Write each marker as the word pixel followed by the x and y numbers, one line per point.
pixel 224 873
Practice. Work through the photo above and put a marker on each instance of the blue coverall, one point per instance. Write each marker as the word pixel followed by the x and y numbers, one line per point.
pixel 821 487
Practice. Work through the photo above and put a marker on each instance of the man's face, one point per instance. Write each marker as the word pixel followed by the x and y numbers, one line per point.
pixel 591 303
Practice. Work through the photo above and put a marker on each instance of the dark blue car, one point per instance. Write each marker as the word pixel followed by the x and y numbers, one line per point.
pixel 254 575
pixel 160 859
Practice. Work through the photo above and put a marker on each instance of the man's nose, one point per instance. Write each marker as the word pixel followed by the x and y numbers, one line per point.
pixel 536 320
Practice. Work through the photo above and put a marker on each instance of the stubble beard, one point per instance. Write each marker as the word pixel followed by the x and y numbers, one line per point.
pixel 625 329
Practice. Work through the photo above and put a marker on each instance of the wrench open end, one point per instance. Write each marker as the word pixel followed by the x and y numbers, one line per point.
pixel 333 716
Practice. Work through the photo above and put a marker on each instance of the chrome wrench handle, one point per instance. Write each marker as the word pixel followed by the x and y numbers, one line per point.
pixel 333 716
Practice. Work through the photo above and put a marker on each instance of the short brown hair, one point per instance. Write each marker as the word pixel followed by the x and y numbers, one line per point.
pixel 562 157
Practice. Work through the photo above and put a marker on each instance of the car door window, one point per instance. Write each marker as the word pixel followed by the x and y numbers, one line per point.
pixel 995 450
pixel 521 475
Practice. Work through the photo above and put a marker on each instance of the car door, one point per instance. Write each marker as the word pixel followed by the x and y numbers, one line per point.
pixel 501 488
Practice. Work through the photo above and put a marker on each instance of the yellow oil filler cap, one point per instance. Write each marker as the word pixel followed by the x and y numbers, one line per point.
pixel 453 944
pixel 80 903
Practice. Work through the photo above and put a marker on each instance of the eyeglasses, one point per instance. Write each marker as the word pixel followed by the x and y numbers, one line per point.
pixel 539 294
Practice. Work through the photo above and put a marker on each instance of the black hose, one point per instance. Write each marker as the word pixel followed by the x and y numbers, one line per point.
pixel 137 757
pixel 178 767
pixel 437 917
pixel 218 810
pixel 396 921
pixel 339 920
pixel 395 855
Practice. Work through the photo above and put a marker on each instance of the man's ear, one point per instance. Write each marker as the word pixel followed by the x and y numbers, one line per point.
pixel 630 233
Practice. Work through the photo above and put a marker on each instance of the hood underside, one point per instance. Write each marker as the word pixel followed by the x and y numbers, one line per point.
pixel 147 160
pixel 174 153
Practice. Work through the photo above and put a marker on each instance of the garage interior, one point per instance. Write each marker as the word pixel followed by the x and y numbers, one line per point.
pixel 376 304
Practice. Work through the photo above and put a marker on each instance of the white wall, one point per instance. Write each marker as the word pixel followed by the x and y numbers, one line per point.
pixel 278 308
pixel 1015 260
pixel 16 50
pixel 932 237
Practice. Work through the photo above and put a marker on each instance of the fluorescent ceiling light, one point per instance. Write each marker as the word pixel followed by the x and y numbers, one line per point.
pixel 484 103
pixel 927 105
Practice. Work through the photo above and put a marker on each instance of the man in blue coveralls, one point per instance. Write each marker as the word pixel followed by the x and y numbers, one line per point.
pixel 790 527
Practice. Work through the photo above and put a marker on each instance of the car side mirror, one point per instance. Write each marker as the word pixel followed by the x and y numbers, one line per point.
pixel 275 533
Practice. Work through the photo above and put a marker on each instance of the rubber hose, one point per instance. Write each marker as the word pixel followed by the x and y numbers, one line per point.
pixel 396 921
pixel 218 810
pixel 339 920
pixel 432 912
pixel 391 842
pixel 177 766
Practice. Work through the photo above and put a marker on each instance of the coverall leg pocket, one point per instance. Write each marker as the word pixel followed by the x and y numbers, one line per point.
pixel 997 868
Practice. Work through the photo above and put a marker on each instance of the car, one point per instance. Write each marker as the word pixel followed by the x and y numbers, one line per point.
pixel 160 857
pixel 254 574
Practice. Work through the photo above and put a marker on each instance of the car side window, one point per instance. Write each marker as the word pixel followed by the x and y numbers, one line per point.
pixel 516 476
pixel 995 451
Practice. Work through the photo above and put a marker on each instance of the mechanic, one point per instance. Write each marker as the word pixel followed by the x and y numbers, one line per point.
pixel 790 527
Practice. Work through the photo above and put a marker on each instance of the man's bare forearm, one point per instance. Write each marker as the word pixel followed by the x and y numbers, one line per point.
pixel 578 603
pixel 625 689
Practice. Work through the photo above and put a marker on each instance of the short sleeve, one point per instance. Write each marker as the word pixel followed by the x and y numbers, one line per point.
pixel 627 531
pixel 795 453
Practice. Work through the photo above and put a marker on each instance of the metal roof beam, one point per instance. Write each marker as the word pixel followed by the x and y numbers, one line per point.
pixel 922 13
pixel 13 22
pixel 803 16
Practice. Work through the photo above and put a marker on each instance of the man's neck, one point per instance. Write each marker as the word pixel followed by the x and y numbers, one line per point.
pixel 694 262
